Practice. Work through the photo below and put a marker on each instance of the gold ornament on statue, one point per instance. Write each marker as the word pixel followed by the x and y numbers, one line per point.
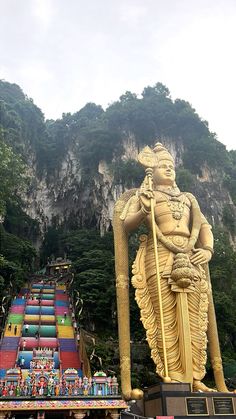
pixel 147 158
pixel 182 271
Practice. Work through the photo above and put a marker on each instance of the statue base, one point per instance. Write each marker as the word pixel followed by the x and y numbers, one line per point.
pixel 176 400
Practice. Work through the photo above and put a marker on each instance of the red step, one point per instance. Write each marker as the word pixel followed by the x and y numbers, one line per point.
pixel 7 359
pixel 70 360
pixel 61 297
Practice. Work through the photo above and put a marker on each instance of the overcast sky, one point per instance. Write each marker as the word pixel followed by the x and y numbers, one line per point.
pixel 65 53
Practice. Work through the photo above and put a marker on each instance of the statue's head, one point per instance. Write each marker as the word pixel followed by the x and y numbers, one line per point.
pixel 164 171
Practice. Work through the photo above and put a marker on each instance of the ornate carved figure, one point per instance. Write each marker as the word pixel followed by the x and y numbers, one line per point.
pixel 169 274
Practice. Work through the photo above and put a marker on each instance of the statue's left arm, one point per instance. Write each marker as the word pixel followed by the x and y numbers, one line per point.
pixel 204 249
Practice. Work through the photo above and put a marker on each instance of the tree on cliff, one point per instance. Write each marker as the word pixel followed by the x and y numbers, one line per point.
pixel 12 175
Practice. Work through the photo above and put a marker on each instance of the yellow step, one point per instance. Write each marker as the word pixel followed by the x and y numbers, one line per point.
pixel 11 332
pixel 65 332
pixel 31 318
pixel 61 287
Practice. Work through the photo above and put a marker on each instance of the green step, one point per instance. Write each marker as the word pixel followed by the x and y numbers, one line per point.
pixel 66 323
pixel 48 331
pixel 15 318
pixel 44 331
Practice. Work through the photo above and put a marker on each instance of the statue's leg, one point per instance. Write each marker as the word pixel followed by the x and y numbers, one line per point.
pixel 200 386
pixel 169 303
pixel 198 309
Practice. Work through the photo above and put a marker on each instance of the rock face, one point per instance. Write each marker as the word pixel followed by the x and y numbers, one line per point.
pixel 72 199
pixel 80 164
pixel 76 200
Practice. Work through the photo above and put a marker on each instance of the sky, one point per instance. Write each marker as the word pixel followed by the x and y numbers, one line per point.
pixel 65 53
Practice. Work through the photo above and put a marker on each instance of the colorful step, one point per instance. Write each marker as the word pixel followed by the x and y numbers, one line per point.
pixel 69 360
pixel 61 310
pixel 47 342
pixel 17 309
pixel 67 345
pixel 14 331
pixel 32 309
pixel 47 302
pixel 30 330
pixel 65 332
pixel 61 297
pixel 18 302
pixel 10 343
pixel 7 359
pixel 31 318
pixel 42 318
pixel 46 310
pixel 59 303
pixel 46 319
pixel 27 343
pixel 42 342
pixel 15 318
pixel 62 320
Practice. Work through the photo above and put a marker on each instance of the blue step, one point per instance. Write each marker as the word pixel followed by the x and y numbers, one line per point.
pixel 61 303
pixel 10 343
pixel 19 302
pixel 67 345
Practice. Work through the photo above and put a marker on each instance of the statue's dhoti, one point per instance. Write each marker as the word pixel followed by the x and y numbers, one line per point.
pixel 184 312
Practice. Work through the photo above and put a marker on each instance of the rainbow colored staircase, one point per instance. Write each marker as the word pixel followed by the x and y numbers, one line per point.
pixel 40 364
pixel 65 331
pixel 39 323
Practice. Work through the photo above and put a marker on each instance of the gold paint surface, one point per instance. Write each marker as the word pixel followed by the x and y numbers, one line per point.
pixel 172 286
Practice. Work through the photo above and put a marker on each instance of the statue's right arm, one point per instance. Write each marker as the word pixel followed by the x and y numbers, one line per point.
pixel 135 215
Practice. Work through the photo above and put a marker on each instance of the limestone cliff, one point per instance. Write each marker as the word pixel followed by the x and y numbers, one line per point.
pixel 73 199
pixel 80 164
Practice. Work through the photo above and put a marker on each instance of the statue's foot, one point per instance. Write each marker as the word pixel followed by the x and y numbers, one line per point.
pixel 199 386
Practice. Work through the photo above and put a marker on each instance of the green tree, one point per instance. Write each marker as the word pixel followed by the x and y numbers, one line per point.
pixel 223 268
pixel 12 175
pixel 184 179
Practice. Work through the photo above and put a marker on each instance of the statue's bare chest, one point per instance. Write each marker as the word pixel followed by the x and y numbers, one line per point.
pixel 171 207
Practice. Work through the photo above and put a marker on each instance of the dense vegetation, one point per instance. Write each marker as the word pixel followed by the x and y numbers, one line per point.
pixel 26 139
pixel 16 251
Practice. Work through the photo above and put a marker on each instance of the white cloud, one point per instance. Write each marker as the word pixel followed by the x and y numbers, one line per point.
pixel 132 13
pixel 65 53
pixel 199 65
pixel 43 10
pixel 35 72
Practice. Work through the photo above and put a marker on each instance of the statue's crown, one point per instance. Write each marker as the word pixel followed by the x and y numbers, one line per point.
pixel 162 153
pixel 151 158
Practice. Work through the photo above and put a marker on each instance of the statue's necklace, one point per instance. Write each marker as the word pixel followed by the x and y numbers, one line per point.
pixel 176 204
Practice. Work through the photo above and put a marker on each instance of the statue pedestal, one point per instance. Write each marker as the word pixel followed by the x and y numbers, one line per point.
pixel 176 400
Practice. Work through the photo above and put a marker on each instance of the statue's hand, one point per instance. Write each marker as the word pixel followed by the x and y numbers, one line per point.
pixel 200 256
pixel 145 200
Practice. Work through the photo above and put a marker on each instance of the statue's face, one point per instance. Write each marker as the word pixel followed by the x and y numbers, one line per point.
pixel 164 173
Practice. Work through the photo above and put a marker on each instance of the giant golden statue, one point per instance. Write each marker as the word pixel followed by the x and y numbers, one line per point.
pixel 170 276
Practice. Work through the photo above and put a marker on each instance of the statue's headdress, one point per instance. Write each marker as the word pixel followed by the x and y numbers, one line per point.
pixel 151 157
pixel 162 153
